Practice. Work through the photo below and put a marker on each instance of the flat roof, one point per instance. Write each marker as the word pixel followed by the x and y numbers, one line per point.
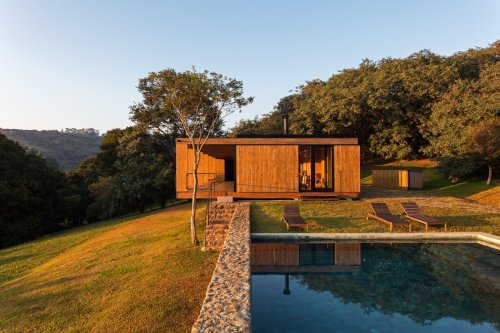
pixel 288 140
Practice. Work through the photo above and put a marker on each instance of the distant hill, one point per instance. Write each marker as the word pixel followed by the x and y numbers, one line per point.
pixel 67 148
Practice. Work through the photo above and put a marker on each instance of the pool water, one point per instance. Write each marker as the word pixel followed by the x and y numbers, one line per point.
pixel 353 287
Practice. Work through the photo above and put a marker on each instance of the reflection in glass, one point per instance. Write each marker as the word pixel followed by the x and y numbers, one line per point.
pixel 323 166
pixel 305 168
pixel 316 168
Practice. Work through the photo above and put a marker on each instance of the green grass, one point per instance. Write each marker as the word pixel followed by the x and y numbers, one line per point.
pixel 130 274
pixel 347 216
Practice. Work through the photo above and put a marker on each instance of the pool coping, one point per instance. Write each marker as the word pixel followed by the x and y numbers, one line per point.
pixel 478 237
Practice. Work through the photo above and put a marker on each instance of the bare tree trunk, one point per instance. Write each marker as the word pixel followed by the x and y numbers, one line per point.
pixel 194 239
pixel 196 160
pixel 490 175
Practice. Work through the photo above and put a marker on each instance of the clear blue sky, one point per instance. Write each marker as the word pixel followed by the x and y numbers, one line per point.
pixel 77 63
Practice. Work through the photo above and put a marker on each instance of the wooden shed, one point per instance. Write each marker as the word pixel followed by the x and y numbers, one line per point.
pixel 271 167
pixel 400 179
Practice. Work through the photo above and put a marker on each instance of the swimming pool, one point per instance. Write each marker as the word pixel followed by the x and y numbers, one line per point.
pixel 375 287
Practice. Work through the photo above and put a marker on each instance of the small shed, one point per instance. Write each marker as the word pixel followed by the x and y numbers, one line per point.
pixel 400 179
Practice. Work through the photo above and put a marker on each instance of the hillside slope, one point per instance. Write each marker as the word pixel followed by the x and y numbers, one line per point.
pixel 124 275
pixel 67 148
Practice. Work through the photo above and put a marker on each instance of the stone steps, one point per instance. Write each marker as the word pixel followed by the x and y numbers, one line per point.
pixel 217 226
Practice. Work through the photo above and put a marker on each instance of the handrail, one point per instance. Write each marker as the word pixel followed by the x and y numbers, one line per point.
pixel 202 186
pixel 212 183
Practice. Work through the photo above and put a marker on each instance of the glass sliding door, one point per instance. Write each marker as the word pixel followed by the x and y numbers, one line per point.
pixel 316 168
pixel 305 167
pixel 323 167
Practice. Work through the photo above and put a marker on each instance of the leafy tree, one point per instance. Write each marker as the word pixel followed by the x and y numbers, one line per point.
pixel 190 103
pixel 107 156
pixel 402 108
pixel 133 169
pixel 486 139
pixel 465 105
pixel 306 118
pixel 270 123
pixel 28 193
pixel 87 169
pixel 144 169
pixel 74 198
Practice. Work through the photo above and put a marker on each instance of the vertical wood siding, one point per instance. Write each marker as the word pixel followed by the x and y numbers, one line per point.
pixel 393 179
pixel 274 254
pixel 348 254
pixel 347 169
pixel 208 168
pixel 180 166
pixel 267 168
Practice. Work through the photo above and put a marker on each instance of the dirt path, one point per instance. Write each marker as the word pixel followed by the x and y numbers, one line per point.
pixel 373 194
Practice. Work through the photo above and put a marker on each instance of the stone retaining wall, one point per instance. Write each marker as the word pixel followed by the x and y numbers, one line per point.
pixel 219 218
pixel 226 307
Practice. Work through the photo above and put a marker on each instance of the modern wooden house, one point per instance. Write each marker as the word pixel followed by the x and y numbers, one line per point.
pixel 281 167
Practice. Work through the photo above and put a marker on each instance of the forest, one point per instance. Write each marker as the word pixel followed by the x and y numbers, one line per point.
pixel 445 108
pixel 425 105
pixel 63 149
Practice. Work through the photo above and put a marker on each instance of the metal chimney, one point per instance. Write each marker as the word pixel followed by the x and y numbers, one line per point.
pixel 285 124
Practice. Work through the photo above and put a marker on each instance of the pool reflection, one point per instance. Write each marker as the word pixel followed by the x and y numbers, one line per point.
pixel 384 287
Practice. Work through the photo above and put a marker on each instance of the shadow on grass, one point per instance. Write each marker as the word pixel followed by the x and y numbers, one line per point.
pixel 7 260
pixel 469 221
pixel 266 218
pixel 350 224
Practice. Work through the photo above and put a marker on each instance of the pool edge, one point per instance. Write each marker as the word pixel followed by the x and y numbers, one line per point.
pixel 478 237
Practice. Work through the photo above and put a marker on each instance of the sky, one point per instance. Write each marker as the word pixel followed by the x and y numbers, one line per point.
pixel 76 64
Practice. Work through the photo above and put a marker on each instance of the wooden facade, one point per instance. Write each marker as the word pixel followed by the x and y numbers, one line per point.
pixel 405 179
pixel 258 171
pixel 281 168
pixel 305 258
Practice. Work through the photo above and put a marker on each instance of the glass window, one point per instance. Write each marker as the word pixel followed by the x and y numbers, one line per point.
pixel 323 163
pixel 305 178
pixel 316 168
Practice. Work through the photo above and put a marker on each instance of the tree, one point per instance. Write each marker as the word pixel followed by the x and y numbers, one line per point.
pixel 486 139
pixel 133 169
pixel 192 103
pixel 464 106
pixel 269 123
pixel 28 194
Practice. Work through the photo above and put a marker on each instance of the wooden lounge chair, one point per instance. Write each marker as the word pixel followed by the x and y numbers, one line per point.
pixel 382 213
pixel 291 216
pixel 413 212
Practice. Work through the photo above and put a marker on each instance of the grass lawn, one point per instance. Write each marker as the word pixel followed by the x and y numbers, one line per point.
pixel 350 216
pixel 131 274
pixel 437 199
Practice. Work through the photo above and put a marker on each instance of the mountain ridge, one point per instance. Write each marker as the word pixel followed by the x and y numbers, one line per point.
pixel 67 147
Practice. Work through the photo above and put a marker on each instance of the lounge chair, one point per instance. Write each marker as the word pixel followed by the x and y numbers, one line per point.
pixel 291 216
pixel 413 212
pixel 382 213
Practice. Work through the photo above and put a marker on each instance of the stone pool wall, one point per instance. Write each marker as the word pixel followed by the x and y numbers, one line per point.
pixel 226 307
